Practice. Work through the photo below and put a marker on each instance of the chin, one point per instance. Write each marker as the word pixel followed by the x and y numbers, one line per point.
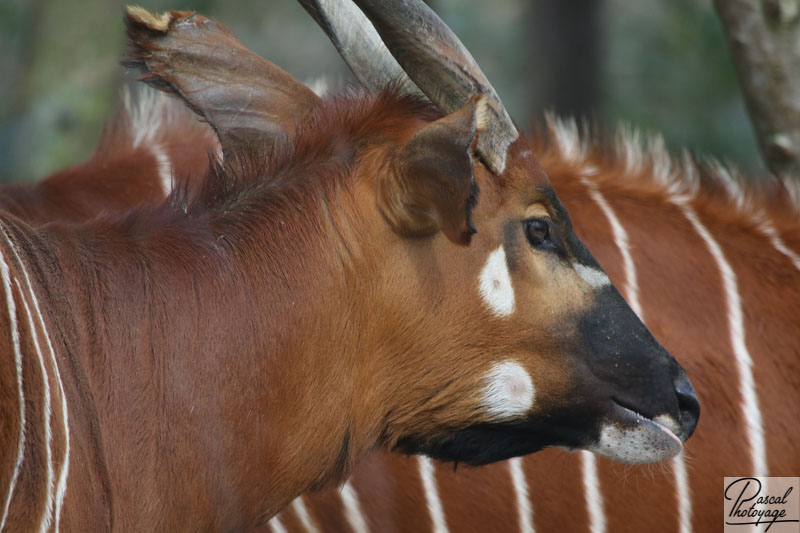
pixel 622 435
pixel 486 443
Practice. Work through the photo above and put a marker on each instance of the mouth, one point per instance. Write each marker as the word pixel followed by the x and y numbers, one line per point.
pixel 629 437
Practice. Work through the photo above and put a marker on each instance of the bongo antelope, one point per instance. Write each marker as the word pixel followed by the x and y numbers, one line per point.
pixel 669 232
pixel 684 242
pixel 173 365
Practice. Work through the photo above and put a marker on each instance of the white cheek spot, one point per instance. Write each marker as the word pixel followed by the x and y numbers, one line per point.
pixel 509 390
pixel 594 277
pixel 495 284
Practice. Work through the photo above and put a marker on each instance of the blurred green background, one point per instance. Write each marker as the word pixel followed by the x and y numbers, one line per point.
pixel 660 65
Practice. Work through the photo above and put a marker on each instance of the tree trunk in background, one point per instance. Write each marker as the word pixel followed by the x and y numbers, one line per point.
pixel 764 39
pixel 567 43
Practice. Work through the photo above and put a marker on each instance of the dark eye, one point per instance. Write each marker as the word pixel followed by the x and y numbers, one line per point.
pixel 537 231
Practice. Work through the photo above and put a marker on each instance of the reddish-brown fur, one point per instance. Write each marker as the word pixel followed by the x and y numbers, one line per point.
pixel 682 302
pixel 634 497
pixel 171 279
pixel 258 334
pixel 180 229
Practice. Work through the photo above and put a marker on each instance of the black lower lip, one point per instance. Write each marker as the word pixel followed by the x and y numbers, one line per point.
pixel 482 444
pixel 477 445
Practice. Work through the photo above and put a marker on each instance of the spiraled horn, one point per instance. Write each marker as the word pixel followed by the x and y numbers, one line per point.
pixel 359 44
pixel 437 62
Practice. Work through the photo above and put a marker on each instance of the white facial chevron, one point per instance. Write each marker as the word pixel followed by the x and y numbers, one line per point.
pixel 594 277
pixel 495 284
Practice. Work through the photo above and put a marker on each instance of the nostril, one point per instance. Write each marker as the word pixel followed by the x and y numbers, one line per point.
pixel 688 405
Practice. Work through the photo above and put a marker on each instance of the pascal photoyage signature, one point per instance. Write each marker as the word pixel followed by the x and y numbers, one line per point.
pixel 750 507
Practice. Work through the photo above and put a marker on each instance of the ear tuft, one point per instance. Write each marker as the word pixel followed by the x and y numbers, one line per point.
pixel 152 21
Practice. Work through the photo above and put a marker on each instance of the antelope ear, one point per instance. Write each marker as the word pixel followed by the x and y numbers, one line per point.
pixel 244 97
pixel 432 186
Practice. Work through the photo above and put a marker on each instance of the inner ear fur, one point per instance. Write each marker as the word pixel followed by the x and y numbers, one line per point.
pixel 432 184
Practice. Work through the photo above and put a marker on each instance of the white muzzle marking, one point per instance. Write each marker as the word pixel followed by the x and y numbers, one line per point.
pixel 647 442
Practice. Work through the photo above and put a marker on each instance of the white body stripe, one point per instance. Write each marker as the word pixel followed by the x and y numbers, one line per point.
pixel 61 486
pixel 777 242
pixel 524 506
pixel 44 524
pixel 352 508
pixel 683 493
pixel 631 289
pixel 631 292
pixel 591 481
pixel 12 319
pixel 146 115
pixel 591 488
pixel 276 525
pixel 744 362
pixel 300 509
pixel 164 166
pixel 428 475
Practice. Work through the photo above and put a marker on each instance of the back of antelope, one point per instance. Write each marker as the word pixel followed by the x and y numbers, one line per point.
pixel 431 338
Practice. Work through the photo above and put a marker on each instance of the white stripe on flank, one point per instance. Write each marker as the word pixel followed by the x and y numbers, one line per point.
pixel 524 507
pixel 276 525
pixel 594 500
pixel 48 432
pixel 776 241
pixel 12 319
pixel 631 293
pixel 299 507
pixel 428 476
pixel 352 508
pixel 591 481
pixel 631 289
pixel 684 497
pixel 164 166
pixel 61 487
pixel 744 362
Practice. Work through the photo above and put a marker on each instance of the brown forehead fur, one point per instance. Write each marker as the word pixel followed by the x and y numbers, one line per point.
pixel 316 161
pixel 294 179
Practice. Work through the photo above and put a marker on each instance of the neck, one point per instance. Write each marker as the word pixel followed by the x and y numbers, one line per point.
pixel 215 370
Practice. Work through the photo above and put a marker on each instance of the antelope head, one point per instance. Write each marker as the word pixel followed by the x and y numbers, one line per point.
pixel 471 323
pixel 534 347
